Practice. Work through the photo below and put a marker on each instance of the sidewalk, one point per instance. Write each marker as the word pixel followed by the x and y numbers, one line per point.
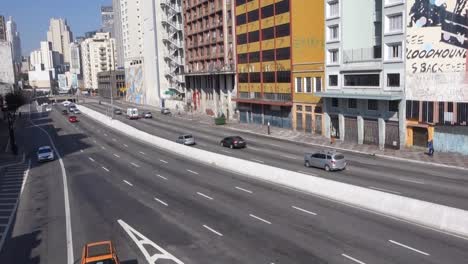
pixel 407 154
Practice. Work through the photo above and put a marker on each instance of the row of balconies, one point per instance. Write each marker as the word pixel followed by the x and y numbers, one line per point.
pixel 205 8
pixel 205 57
pixel 204 42
pixel 204 26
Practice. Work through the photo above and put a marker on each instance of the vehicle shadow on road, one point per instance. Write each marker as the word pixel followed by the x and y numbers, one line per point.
pixel 132 261
pixel 19 249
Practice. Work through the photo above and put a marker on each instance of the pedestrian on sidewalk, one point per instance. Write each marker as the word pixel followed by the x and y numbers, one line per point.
pixel 430 148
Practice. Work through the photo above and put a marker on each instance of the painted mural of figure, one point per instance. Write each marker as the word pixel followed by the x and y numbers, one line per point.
pixel 425 13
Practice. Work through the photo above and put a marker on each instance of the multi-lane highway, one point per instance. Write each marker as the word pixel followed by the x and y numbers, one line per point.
pixel 198 214
pixel 429 183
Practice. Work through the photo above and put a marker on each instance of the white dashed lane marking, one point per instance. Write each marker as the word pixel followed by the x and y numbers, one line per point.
pixel 127 182
pixel 162 177
pixel 135 165
pixel 353 259
pixel 303 210
pixel 204 195
pixel 244 190
pixel 117 156
pixel 163 161
pixel 408 247
pixel 91 159
pixel 160 201
pixel 212 230
pixel 194 172
pixel 104 168
pixel 261 219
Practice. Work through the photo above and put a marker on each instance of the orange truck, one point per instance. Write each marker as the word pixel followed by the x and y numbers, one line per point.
pixel 99 253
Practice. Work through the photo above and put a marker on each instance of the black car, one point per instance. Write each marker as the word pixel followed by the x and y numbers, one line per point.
pixel 233 142
pixel 117 111
pixel 65 112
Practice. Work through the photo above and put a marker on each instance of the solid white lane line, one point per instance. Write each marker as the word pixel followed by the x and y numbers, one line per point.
pixel 156 199
pixel 244 190
pixel 261 219
pixel 408 247
pixel 413 181
pixel 383 190
pixel 91 159
pixel 104 168
pixel 117 156
pixel 162 177
pixel 212 230
pixel 261 161
pixel 353 259
pixel 163 161
pixel 226 151
pixel 289 157
pixel 127 182
pixel 303 210
pixel 125 145
pixel 142 153
pixel 136 165
pixel 191 171
pixel 204 195
pixel 253 148
pixel 304 172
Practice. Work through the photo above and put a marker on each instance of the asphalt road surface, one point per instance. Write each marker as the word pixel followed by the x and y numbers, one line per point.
pixel 187 212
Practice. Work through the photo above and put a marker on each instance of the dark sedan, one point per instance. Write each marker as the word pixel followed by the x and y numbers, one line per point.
pixel 233 142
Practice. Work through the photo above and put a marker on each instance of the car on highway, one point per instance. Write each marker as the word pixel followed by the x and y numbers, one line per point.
pixel 66 103
pixel 45 153
pixel 48 108
pixel 132 113
pixel 165 111
pixel 72 119
pixel 76 111
pixel 327 160
pixel 117 111
pixel 64 112
pixel 233 142
pixel 147 114
pixel 187 139
pixel 102 252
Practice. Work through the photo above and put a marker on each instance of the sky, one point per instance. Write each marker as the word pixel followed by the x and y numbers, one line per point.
pixel 32 17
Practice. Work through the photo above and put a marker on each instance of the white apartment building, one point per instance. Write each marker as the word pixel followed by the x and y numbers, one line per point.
pixel 35 58
pixel 117 32
pixel 60 36
pixel 98 54
pixel 151 32
pixel 13 36
pixel 75 58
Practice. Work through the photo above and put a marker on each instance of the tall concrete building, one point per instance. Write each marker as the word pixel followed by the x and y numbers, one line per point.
pixel 2 29
pixel 13 36
pixel 98 55
pixel 7 72
pixel 117 33
pixel 75 58
pixel 107 19
pixel 60 36
pixel 209 60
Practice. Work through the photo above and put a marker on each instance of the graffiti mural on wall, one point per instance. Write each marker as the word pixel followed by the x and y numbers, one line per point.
pixel 436 46
pixel 134 84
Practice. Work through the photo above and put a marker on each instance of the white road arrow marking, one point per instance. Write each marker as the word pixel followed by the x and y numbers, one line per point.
pixel 141 241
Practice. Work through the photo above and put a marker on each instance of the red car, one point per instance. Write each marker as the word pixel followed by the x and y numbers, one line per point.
pixel 73 119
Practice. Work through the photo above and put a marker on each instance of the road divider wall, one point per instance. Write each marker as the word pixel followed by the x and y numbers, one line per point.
pixel 440 217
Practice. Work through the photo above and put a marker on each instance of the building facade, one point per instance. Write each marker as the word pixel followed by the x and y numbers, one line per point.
pixel 107 19
pixel 75 58
pixel 209 60
pixel 117 32
pixel 364 96
pixel 98 55
pixel 60 36
pixel 2 29
pixel 13 36
pixel 7 73
pixel 112 81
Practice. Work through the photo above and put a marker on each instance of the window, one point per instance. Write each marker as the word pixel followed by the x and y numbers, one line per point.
pixel 269 77
pixel 252 16
pixel 283 76
pixel 282 7
pixel 308 84
pixel 268 33
pixel 393 106
pixel 462 113
pixel 298 85
pixel 268 55
pixel 241 19
pixel 372 105
pixel 333 33
pixel 254 77
pixel 362 80
pixel 298 107
pixel 283 53
pixel 242 58
pixel 428 112
pixel 393 80
pixel 308 108
pixel 254 36
pixel 335 102
pixel 352 103
pixel 394 51
pixel 333 56
pixel 254 57
pixel 243 77
pixel 240 2
pixel 318 84
pixel 332 80
pixel 395 23
pixel 267 11
pixel 333 9
pixel 282 30
pixel 412 110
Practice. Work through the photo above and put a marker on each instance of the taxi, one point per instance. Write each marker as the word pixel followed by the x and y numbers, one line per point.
pixel 99 253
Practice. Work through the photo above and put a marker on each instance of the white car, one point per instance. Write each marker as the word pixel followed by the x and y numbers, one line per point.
pixel 48 109
pixel 66 103
pixel 45 153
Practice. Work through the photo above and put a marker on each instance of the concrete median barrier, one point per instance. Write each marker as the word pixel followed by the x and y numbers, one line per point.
pixel 440 217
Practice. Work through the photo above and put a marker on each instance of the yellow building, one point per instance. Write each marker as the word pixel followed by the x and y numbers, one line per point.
pixel 272 50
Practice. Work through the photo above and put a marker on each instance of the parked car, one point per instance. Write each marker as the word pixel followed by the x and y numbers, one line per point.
pixel 117 111
pixel 327 160
pixel 132 113
pixel 99 253
pixel 186 139
pixel 233 142
pixel 165 111
pixel 45 153
pixel 73 119
pixel 147 115
pixel 64 112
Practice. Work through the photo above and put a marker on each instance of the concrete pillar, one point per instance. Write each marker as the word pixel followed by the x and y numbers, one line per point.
pixel 402 122
pixel 326 119
pixel 341 122
pixel 214 91
pixel 360 129
pixel 230 89
pixel 381 122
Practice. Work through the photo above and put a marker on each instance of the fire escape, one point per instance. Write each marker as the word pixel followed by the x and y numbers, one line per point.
pixel 172 38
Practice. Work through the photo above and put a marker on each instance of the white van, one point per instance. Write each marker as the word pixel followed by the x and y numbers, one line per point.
pixel 132 113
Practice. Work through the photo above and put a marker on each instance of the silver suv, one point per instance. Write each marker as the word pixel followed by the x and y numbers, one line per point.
pixel 327 160
pixel 186 140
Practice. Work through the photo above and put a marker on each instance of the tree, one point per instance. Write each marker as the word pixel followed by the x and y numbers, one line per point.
pixel 13 101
